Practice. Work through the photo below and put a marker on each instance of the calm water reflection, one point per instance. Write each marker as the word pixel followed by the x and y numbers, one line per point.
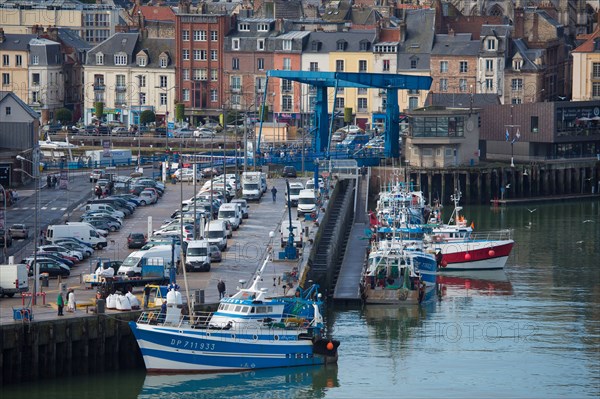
pixel 532 330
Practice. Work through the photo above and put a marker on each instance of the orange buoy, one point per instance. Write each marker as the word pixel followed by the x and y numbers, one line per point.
pixel 492 253
pixel 467 256
pixel 329 346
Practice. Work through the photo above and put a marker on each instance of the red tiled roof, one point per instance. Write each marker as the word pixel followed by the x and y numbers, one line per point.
pixel 588 45
pixel 157 13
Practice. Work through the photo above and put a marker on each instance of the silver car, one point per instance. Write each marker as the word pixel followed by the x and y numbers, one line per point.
pixel 19 231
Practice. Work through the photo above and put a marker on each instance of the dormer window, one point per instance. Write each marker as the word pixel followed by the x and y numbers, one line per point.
pixel 243 27
pixel 163 60
pixel 341 45
pixel 121 59
pixel 491 44
pixel 99 59
pixel 142 60
pixel 364 45
pixel 517 64
pixel 263 27
pixel 315 45
pixel 287 45
pixel 235 44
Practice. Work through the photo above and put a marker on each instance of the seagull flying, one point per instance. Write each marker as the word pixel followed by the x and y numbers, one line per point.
pixel 508 185
pixel 532 210
pixel 579 242
pixel 588 221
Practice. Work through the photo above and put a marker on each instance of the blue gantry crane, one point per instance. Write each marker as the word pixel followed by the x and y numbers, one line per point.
pixel 324 80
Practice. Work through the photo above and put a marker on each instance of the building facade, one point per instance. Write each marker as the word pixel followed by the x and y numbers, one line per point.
pixel 46 88
pixel 586 69
pixel 14 58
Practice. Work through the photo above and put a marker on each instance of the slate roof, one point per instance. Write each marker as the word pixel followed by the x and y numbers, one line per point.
pixel 455 45
pixel 528 55
pixel 47 51
pixel 154 47
pixel 119 42
pixel 336 11
pixel 16 42
pixel 70 38
pixel 418 41
pixel 462 100
pixel 329 41
pixel 27 108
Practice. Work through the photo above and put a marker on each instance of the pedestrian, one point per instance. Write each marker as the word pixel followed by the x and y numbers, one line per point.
pixel 163 312
pixel 60 302
pixel 98 192
pixel 71 304
pixel 221 288
pixel 54 181
pixel 147 290
pixel 274 192
pixel 42 237
pixel 49 181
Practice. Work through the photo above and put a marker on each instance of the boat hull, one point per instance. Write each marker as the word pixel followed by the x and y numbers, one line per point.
pixel 183 349
pixel 400 297
pixel 474 255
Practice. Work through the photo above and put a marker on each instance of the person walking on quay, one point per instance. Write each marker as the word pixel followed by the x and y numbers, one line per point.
pixel 60 302
pixel 49 181
pixel 147 290
pixel 71 304
pixel 274 192
pixel 42 237
pixel 221 288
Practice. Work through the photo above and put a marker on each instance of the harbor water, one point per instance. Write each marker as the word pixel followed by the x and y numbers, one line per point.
pixel 532 330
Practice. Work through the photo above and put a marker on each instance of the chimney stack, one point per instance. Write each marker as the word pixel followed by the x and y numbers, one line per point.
pixel 2 37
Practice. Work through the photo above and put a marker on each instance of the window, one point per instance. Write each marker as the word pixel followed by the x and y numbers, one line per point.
pixel 164 62
pixel 197 36
pixel 259 84
pixel 214 75
pixel 287 45
pixel 185 35
pixel 362 65
pixel 386 65
pixel 163 98
pixel 185 74
pixel 596 70
pixel 443 85
pixel 339 104
pixel 340 45
pixel 489 84
pixel 236 83
pixel 243 27
pixel 314 66
pixel 18 60
pixel 286 85
pixel 197 55
pixel 260 44
pixel 214 55
pixel 443 66
pixel 286 103
pixel 5 60
pixel 186 94
pixel 260 64
pixel 185 54
pixel 362 104
pixel 99 59
pixel 339 65
pixel 516 101
pixel 463 67
pixel 7 111
pixel 315 45
pixel 141 61
pixel 163 80
pixel 516 84
pixel 203 55
pixel 197 74
pixel 413 102
pixel 491 44
pixel 5 79
pixel 235 64
pixel 534 124
pixel 203 74
pixel 236 99
pixel 364 45
pixel 142 80
pixel 35 96
pixel 120 59
pixel 462 85
pixel 120 82
pixel 596 89
pixel 489 65
pixel 35 79
pixel 517 65
pixel 413 64
pixel 214 35
pixel 287 64
pixel 362 91
pixel 214 97
pixel 263 27
pixel 235 44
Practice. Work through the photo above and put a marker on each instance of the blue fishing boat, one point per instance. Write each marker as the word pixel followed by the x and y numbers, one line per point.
pixel 248 331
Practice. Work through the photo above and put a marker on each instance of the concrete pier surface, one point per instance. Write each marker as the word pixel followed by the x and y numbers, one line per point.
pixel 244 254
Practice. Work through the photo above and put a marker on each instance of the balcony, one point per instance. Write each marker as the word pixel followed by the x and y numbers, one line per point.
pixel 120 88
pixel 236 89
pixel 286 89
pixel 99 87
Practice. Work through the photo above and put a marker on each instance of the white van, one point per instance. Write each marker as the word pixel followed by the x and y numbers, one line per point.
pixel 307 202
pixel 132 265
pixel 296 229
pixel 216 233
pixel 106 208
pixel 243 206
pixel 294 192
pixel 197 256
pixel 82 232
pixel 251 186
pixel 232 213
pixel 263 182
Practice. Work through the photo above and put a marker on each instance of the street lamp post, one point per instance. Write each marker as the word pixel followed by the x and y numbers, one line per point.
pixel 36 178
pixel 4 229
pixel 512 138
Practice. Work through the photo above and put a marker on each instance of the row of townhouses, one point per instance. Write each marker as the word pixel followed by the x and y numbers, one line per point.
pixel 212 57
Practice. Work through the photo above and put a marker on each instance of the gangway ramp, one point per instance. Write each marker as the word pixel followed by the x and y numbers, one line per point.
pixel 347 286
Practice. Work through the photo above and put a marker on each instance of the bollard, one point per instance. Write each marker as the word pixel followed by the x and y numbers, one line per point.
pixel 100 306
pixel 306 231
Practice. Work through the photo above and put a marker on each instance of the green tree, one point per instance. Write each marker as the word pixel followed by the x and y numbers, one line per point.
pixel 147 116
pixel 63 115
pixel 99 109
pixel 179 111
pixel 348 115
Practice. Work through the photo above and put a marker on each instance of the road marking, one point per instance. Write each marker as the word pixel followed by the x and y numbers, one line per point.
pixel 44 207
pixel 63 209
pixel 52 209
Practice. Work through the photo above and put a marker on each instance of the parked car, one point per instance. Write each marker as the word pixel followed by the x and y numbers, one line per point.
pixel 52 267
pixel 351 129
pixel 102 130
pixel 9 239
pixel 19 231
pixel 183 132
pixel 210 172
pixel 186 174
pixel 148 197
pixel 338 135
pixel 120 130
pixel 289 171
pixel 136 240
pixel 96 174
pixel 215 253
pixel 213 126
pixel 88 130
